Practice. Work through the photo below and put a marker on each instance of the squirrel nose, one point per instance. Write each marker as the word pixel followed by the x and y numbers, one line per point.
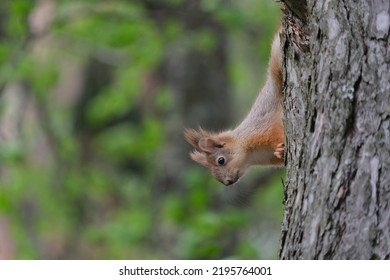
pixel 231 181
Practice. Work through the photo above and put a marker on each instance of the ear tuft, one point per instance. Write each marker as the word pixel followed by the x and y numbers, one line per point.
pixel 203 140
pixel 199 158
pixel 208 144
pixel 193 136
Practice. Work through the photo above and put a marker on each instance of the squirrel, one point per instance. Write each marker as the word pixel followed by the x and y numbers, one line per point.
pixel 257 140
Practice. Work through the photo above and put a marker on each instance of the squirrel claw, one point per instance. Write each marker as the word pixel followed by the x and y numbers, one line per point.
pixel 279 151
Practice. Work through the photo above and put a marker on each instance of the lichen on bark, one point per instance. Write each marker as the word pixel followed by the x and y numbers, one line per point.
pixel 337 126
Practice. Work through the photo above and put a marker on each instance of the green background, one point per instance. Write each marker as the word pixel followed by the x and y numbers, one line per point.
pixel 94 97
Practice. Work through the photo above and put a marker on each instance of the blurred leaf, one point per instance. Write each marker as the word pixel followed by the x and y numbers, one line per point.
pixel 174 209
pixel 11 152
pixel 125 142
pixel 4 53
pixel 17 22
pixel 230 17
pixel 164 99
pixel 205 41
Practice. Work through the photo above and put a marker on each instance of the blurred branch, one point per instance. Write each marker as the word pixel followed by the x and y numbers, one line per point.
pixel 189 13
pixel 15 103
pixel 7 244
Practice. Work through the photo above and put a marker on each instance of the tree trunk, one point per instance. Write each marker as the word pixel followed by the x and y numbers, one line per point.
pixel 337 123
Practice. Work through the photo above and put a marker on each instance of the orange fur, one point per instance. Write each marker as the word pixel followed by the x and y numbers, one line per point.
pixel 264 141
pixel 258 139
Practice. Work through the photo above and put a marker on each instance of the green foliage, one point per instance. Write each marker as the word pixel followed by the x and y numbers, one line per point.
pixel 124 141
pixel 82 176
pixel 16 25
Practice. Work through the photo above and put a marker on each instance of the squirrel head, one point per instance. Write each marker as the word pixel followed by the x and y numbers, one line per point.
pixel 220 153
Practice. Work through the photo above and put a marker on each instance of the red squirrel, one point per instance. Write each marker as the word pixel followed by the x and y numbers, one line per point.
pixel 257 140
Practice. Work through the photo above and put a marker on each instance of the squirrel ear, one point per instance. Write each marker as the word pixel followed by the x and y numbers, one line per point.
pixel 209 144
pixel 199 158
pixel 202 140
pixel 192 136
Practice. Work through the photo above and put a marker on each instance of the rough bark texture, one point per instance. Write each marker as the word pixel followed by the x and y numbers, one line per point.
pixel 337 123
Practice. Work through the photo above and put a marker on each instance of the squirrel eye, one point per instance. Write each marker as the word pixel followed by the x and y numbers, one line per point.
pixel 221 160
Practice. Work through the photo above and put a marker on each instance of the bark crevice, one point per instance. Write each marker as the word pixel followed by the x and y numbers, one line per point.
pixel 336 88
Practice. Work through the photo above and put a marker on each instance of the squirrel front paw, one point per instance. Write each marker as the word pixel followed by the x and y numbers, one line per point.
pixel 279 151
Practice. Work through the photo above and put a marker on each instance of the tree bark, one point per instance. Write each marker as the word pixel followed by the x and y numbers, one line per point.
pixel 337 125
